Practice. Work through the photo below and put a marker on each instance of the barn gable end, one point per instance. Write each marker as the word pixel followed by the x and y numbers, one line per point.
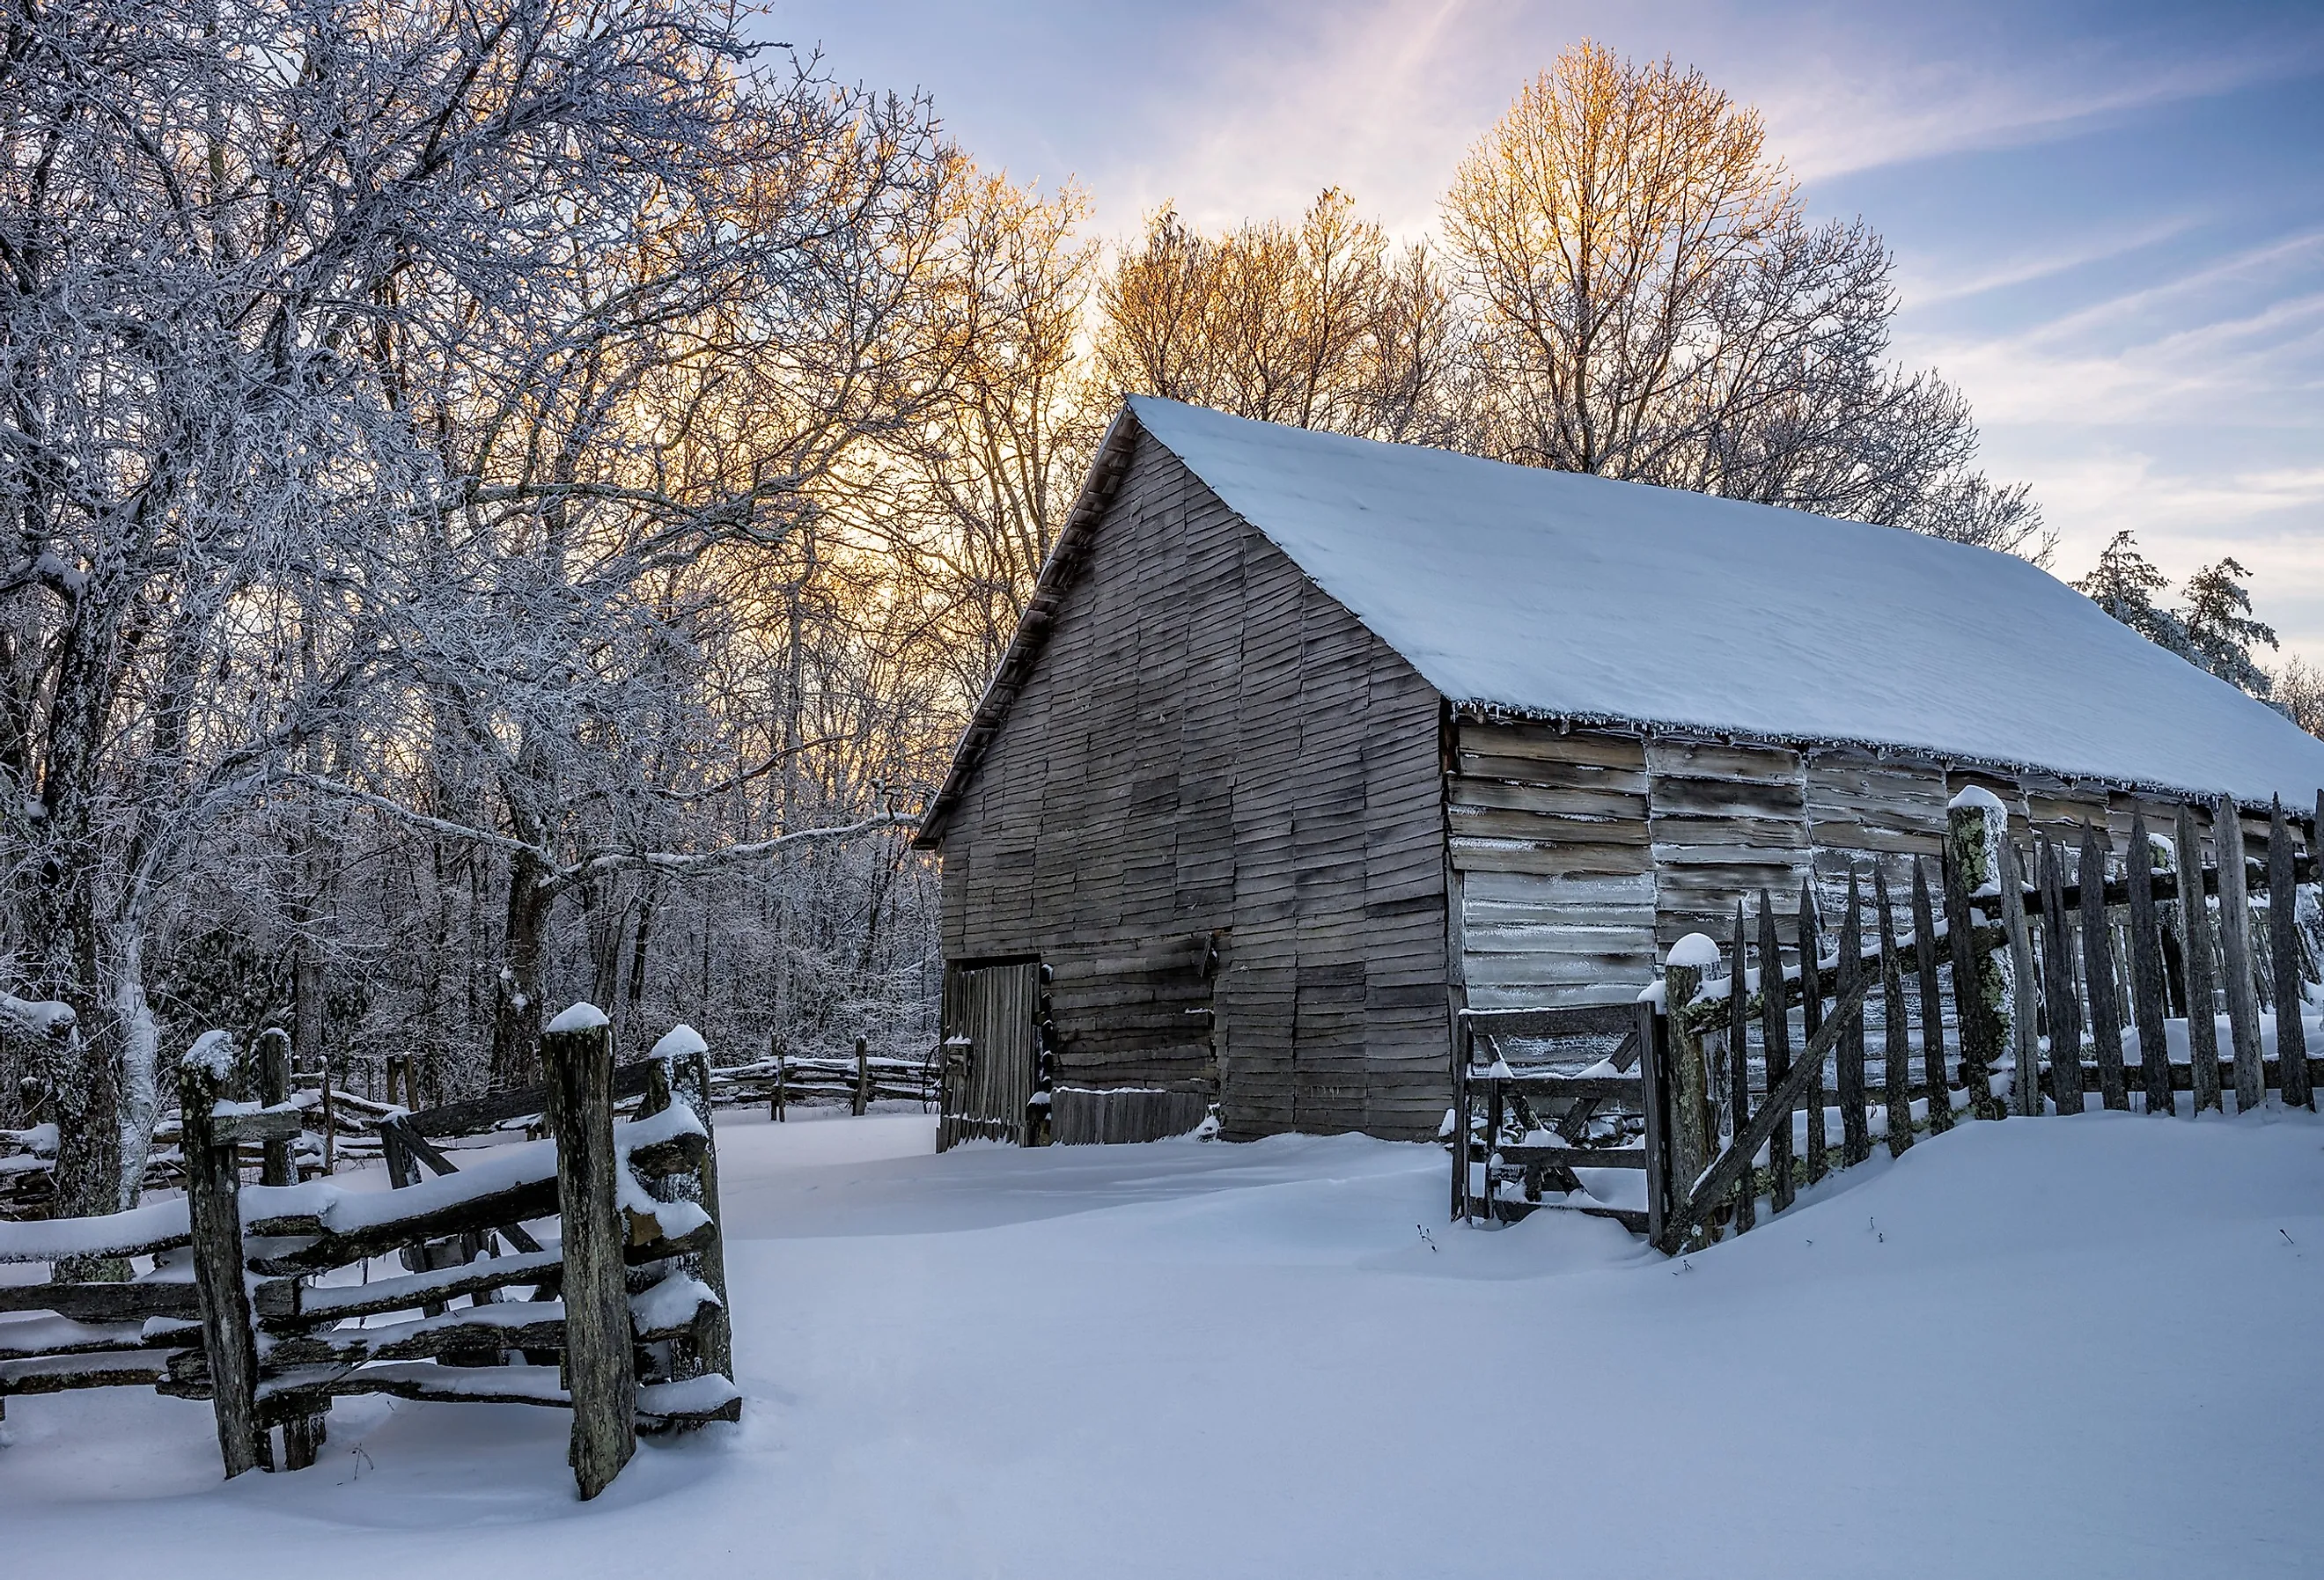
pixel 1212 807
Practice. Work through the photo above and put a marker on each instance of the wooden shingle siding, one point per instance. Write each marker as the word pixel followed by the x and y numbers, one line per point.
pixel 1549 835
pixel 1725 822
pixel 1863 811
pixel 1208 747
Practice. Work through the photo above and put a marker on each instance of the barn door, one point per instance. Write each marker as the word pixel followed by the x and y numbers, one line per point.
pixel 992 1050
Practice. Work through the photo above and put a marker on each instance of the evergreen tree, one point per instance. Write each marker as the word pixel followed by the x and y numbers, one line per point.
pixel 2219 628
pixel 2124 584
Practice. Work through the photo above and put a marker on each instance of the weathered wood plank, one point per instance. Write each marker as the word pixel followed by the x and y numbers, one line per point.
pixel 2097 974
pixel 1848 1075
pixel 2195 948
pixel 1774 1035
pixel 2235 962
pixel 1933 1011
pixel 2146 985
pixel 599 1373
pixel 1896 1051
pixel 213 1184
pixel 2284 951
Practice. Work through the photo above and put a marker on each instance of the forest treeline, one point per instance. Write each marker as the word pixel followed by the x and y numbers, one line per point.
pixel 511 502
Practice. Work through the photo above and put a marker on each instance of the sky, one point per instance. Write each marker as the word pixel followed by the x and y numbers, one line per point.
pixel 2108 220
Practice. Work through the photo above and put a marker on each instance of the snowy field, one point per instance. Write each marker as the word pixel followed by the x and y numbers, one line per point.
pixel 2092 1346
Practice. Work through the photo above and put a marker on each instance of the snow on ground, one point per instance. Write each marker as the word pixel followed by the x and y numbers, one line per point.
pixel 2082 1347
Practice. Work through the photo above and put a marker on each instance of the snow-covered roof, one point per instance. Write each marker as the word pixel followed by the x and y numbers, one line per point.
pixel 1564 596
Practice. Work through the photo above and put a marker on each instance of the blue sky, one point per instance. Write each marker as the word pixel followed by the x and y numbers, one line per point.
pixel 2108 218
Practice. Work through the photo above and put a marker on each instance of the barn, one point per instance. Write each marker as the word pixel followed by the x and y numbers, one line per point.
pixel 1307 744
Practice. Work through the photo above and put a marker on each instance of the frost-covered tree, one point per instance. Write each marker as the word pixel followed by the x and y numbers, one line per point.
pixel 2297 690
pixel 2124 583
pixel 2220 629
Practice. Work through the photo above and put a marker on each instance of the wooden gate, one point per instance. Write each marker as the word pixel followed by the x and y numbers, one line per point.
pixel 992 1052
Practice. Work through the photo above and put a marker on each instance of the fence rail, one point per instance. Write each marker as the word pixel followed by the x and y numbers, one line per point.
pixel 2017 979
pixel 623 1321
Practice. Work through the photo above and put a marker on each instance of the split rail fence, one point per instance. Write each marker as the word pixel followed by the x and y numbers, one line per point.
pixel 620 1316
pixel 2010 982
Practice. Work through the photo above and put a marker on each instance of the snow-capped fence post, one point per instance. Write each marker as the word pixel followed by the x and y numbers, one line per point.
pixel 2236 963
pixel 1691 1132
pixel 577 1052
pixel 214 1213
pixel 1975 822
pixel 2025 1084
pixel 862 1077
pixel 2147 986
pixel 2283 948
pixel 775 1103
pixel 680 1073
pixel 2097 972
pixel 1933 1011
pixel 279 1165
pixel 2195 947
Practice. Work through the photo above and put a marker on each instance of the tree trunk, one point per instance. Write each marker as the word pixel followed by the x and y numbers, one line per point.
pixel 516 1007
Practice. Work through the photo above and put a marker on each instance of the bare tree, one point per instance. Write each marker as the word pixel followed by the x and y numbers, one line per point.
pixel 1317 327
pixel 1653 303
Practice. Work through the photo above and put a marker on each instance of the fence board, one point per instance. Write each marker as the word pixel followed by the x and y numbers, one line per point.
pixel 1896 1055
pixel 2097 974
pixel 1933 1009
pixel 1855 1136
pixel 2146 983
pixel 2236 963
pixel 1775 1033
pixel 1812 1020
pixel 2284 949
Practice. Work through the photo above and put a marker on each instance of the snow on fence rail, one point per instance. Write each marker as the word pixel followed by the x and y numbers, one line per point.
pixel 1720 1090
pixel 622 1319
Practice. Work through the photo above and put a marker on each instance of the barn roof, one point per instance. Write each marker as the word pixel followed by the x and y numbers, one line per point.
pixel 1556 595
pixel 1566 596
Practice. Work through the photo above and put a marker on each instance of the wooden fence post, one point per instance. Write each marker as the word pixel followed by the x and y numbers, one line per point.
pixel 1812 1021
pixel 2058 980
pixel 2025 1082
pixel 2195 948
pixel 2283 949
pixel 2097 974
pixel 577 1051
pixel 862 1077
pixel 1690 1137
pixel 279 1165
pixel 1933 1009
pixel 1848 1069
pixel 1896 1051
pixel 1981 994
pixel 682 1071
pixel 1776 1032
pixel 2147 987
pixel 775 1103
pixel 1738 1064
pixel 2236 955
pixel 214 1211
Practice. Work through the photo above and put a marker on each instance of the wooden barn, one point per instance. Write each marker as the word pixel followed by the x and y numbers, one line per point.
pixel 1306 743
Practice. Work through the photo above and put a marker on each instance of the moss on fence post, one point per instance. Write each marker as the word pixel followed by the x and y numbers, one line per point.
pixel 1976 823
pixel 1693 1127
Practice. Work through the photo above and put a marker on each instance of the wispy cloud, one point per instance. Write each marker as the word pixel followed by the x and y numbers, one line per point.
pixel 1882 107
pixel 1923 289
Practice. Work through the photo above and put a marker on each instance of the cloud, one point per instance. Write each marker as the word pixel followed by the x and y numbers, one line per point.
pixel 1924 290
